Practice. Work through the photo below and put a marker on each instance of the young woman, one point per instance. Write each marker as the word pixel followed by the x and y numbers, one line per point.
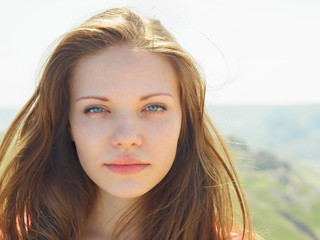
pixel 115 143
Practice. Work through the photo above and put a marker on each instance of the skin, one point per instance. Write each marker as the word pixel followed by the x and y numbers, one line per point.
pixel 124 103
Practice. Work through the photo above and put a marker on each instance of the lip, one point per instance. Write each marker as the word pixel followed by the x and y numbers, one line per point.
pixel 126 165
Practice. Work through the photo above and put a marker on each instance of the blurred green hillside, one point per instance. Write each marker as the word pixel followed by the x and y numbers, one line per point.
pixel 284 198
pixel 277 152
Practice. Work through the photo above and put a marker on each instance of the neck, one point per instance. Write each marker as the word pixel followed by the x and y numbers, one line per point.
pixel 106 212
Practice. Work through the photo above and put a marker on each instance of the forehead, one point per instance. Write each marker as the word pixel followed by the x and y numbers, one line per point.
pixel 121 67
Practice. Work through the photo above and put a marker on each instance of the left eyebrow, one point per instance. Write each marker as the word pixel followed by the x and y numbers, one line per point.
pixel 103 99
pixel 154 95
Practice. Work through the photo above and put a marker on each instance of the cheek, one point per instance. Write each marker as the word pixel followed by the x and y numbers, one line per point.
pixel 163 137
pixel 89 140
pixel 89 132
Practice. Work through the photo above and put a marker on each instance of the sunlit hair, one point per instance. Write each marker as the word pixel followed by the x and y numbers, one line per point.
pixel 44 192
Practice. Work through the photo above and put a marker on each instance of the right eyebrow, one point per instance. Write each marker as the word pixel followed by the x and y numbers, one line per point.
pixel 104 99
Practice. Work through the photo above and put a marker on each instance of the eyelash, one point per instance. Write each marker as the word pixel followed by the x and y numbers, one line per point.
pixel 91 108
pixel 162 107
pixel 102 110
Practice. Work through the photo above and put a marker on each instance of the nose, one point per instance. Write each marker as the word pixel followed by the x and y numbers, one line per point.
pixel 126 133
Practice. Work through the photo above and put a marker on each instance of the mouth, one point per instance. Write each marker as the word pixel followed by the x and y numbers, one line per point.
pixel 124 169
pixel 126 165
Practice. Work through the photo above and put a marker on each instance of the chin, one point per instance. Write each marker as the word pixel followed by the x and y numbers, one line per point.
pixel 127 196
pixel 127 192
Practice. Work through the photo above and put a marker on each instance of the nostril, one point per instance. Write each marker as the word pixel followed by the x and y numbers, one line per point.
pixel 126 139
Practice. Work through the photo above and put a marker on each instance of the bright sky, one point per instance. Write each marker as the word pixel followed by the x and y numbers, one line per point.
pixel 252 51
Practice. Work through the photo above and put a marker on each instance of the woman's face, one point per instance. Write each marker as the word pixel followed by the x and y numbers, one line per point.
pixel 125 119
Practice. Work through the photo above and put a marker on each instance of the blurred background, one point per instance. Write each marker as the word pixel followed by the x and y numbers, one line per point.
pixel 261 60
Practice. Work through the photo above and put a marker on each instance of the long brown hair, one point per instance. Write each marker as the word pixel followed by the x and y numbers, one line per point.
pixel 44 192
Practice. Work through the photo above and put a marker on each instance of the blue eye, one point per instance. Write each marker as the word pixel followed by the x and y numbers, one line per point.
pixel 94 110
pixel 156 108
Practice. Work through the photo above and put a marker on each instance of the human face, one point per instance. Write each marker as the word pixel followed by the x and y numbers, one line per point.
pixel 125 119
